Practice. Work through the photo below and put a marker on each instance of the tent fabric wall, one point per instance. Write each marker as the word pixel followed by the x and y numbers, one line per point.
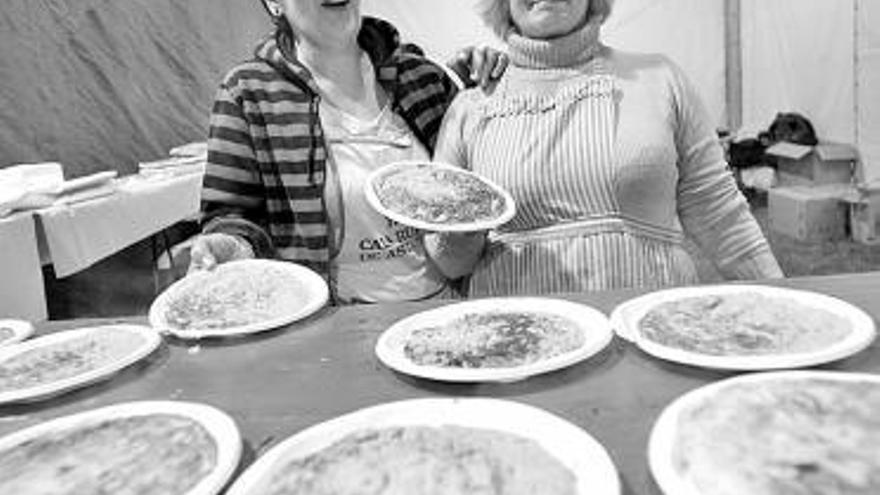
pixel 818 58
pixel 638 25
pixel 438 27
pixel 798 56
pixel 690 32
pixel 103 84
pixel 868 86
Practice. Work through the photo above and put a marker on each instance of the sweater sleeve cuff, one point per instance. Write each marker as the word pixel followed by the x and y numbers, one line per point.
pixel 259 240
pixel 761 265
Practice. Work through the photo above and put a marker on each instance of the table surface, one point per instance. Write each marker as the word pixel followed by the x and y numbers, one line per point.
pixel 277 383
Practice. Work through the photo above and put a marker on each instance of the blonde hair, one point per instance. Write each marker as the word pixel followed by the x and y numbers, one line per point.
pixel 496 13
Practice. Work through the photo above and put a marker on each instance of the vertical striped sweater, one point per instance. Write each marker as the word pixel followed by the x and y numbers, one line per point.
pixel 266 169
pixel 612 160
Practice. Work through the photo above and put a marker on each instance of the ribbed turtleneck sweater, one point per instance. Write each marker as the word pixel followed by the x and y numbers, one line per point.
pixel 571 50
pixel 661 173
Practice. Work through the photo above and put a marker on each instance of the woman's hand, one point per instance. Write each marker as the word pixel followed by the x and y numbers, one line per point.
pixel 455 254
pixel 210 250
pixel 481 66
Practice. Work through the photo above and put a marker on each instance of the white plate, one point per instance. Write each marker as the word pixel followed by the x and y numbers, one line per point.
pixel 20 330
pixel 594 325
pixel 314 296
pixel 373 200
pixel 149 341
pixel 625 319
pixel 661 444
pixel 219 425
pixel 591 465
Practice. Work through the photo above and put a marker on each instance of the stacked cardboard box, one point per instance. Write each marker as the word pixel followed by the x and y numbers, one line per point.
pixel 864 212
pixel 825 163
pixel 808 213
pixel 813 182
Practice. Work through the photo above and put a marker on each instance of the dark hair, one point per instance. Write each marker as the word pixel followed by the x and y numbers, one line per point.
pixel 412 49
pixel 280 21
pixel 792 127
pixel 266 6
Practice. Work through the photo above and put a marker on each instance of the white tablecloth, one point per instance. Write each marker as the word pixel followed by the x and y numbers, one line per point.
pixel 75 236
pixel 79 235
pixel 21 278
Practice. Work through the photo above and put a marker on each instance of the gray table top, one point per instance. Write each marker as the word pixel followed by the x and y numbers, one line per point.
pixel 277 383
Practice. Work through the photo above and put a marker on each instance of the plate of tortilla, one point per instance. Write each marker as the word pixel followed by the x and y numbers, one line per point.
pixel 744 327
pixel 771 433
pixel 438 197
pixel 494 339
pixel 56 363
pixel 238 298
pixel 148 447
pixel 416 447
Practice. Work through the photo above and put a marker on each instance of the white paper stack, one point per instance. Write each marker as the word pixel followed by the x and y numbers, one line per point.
pixel 29 186
pixel 89 187
pixel 33 186
pixel 198 148
pixel 185 159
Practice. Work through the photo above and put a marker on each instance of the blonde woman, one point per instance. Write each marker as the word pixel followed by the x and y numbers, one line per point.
pixel 610 157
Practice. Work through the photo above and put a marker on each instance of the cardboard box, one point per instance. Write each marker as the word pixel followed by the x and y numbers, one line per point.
pixel 809 214
pixel 864 213
pixel 825 163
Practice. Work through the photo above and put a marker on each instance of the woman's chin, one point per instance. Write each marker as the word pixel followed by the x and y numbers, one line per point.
pixel 545 34
pixel 551 27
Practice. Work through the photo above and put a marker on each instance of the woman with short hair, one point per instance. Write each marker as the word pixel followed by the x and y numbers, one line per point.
pixel 610 156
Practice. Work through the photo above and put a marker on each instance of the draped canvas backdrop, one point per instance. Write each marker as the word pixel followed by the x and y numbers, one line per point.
pixel 821 59
pixel 799 59
pixel 103 84
pixel 867 80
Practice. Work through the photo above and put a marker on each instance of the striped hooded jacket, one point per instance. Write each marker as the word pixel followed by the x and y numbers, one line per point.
pixel 266 151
